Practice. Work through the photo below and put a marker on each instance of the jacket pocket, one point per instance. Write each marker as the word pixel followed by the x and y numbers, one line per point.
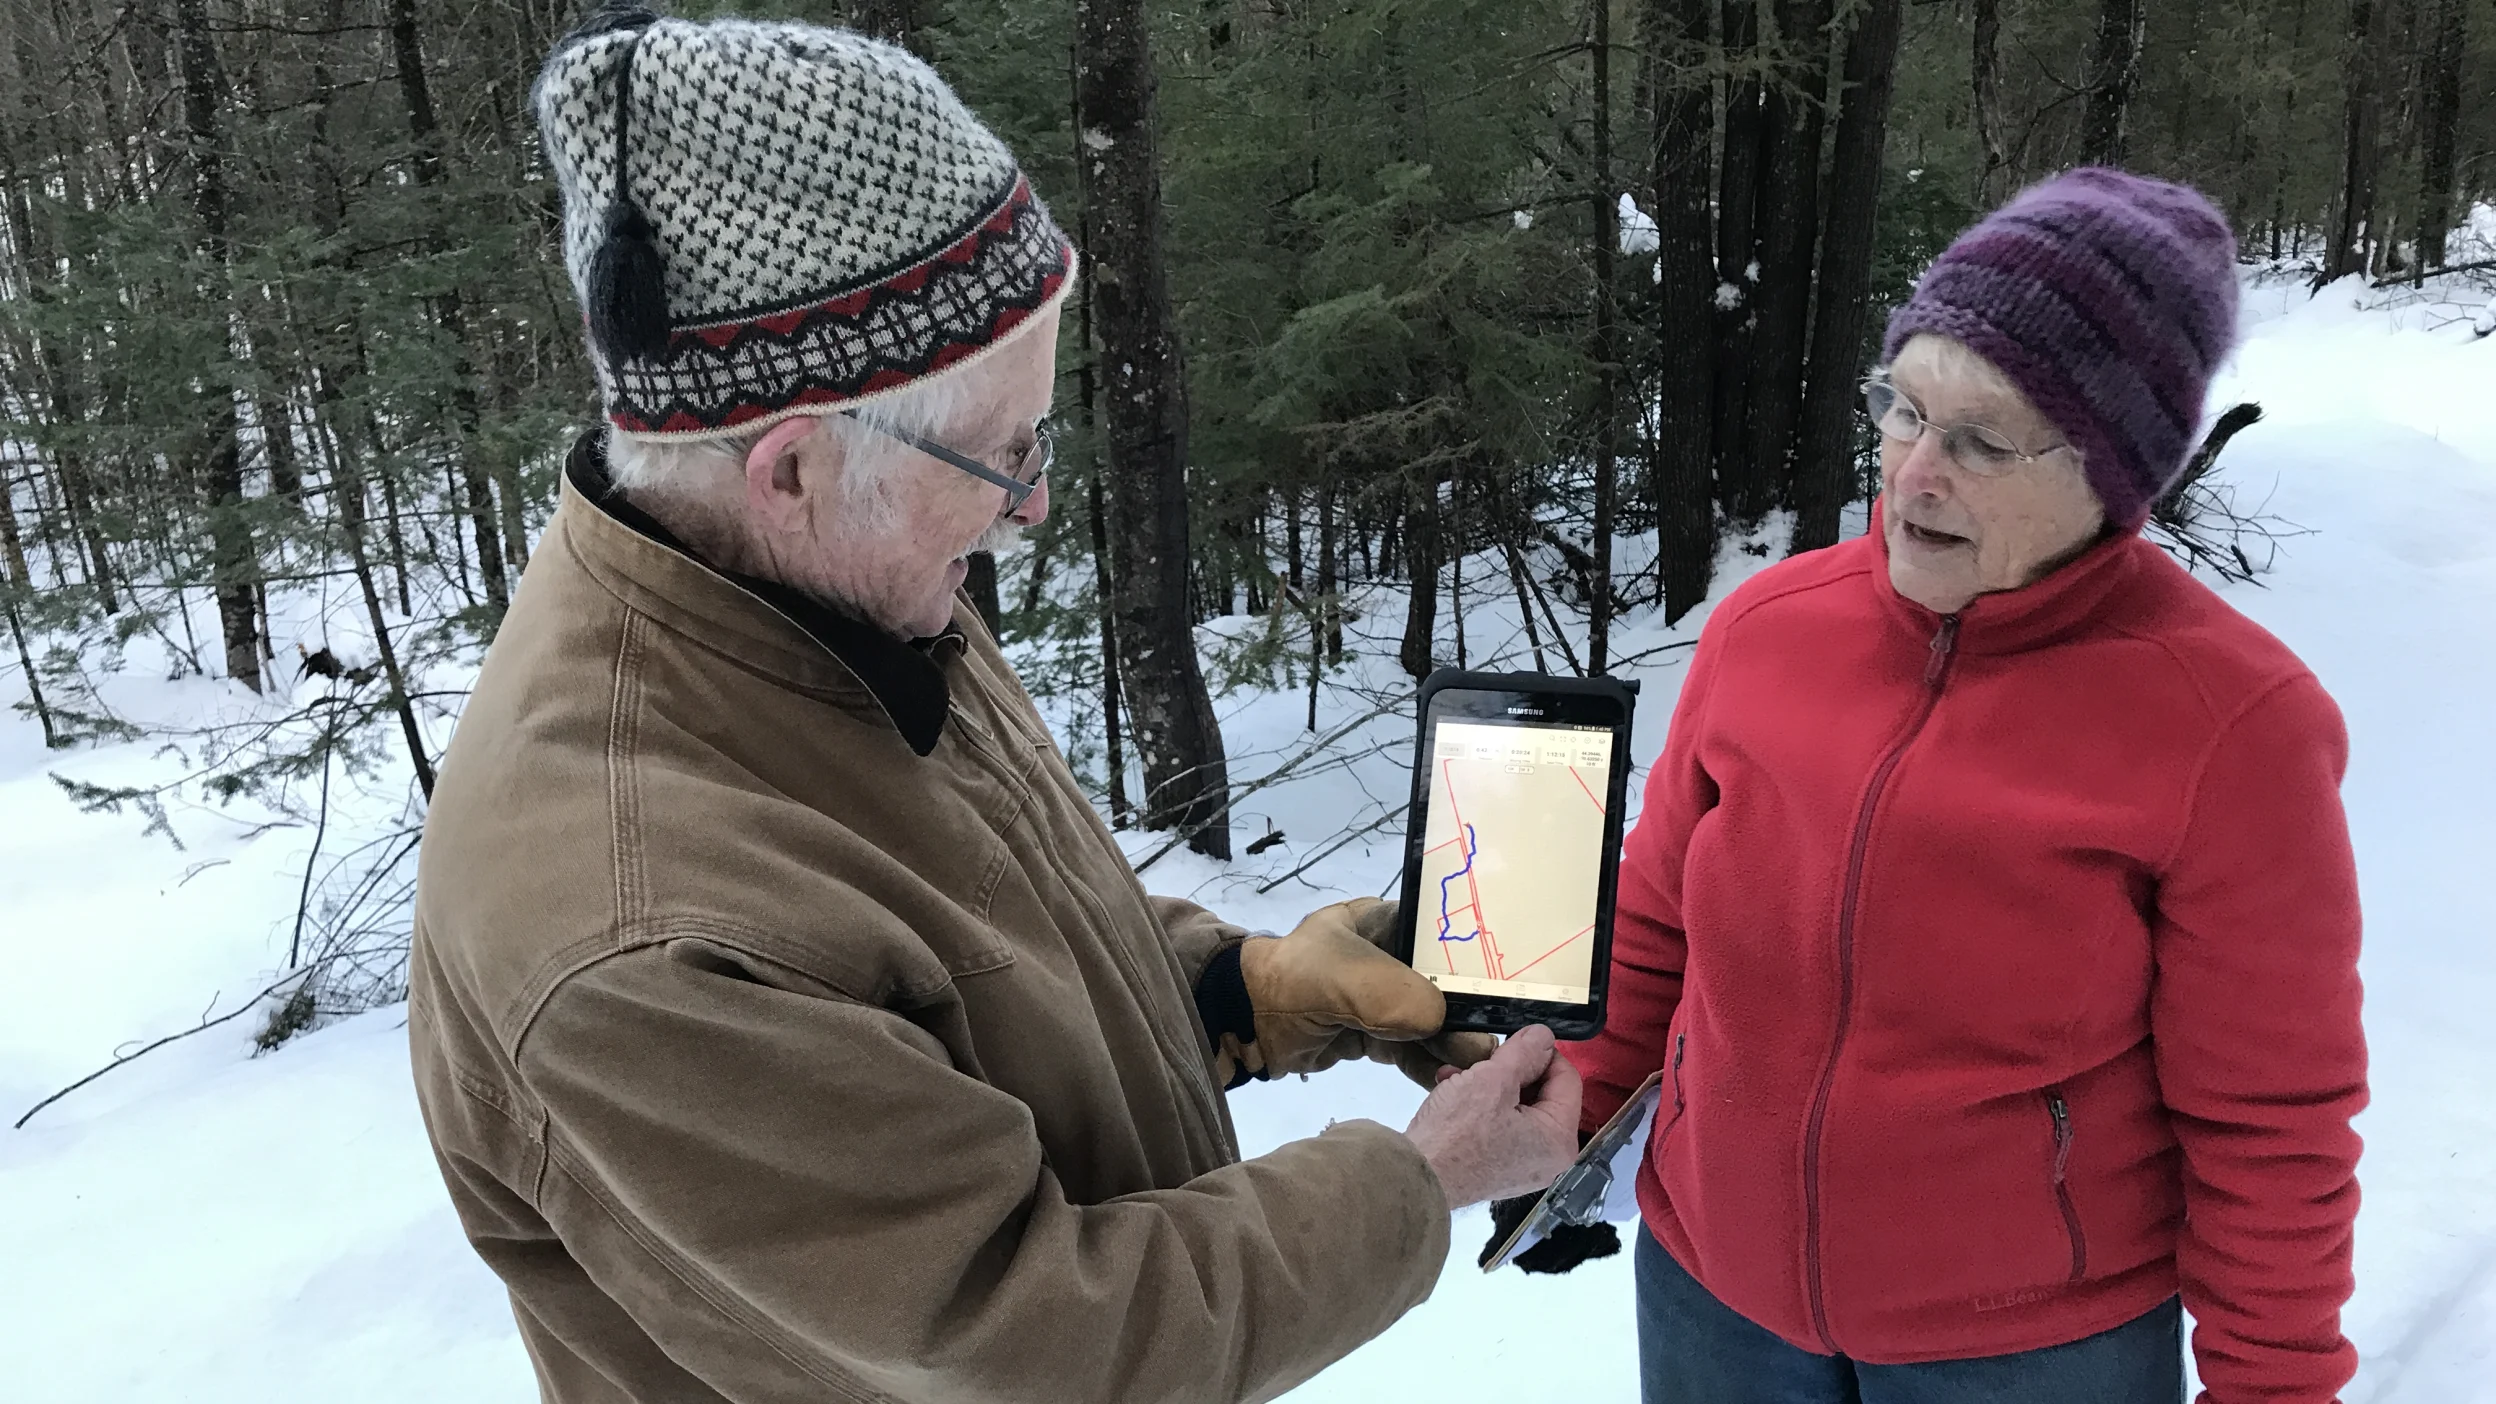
pixel 1679 1105
pixel 2059 1111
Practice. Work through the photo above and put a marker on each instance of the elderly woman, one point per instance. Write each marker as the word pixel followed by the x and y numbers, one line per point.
pixel 1992 913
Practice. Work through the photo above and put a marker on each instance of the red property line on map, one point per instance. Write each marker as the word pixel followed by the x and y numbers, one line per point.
pixel 1550 953
pixel 1491 958
pixel 1581 784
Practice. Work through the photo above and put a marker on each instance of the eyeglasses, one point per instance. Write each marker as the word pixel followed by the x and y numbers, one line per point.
pixel 1979 450
pixel 1019 485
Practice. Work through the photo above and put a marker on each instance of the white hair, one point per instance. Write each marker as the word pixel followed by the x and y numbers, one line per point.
pixel 1932 356
pixel 701 476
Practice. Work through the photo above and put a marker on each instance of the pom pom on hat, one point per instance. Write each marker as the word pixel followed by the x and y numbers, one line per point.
pixel 626 299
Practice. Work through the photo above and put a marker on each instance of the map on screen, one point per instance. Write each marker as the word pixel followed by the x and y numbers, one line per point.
pixel 1512 855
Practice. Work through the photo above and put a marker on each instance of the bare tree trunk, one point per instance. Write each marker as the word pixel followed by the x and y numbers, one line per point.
pixel 408 49
pixel 1789 227
pixel 1329 572
pixel 2447 42
pixel 1825 480
pixel 1737 258
pixel 1105 594
pixel 1685 302
pixel 1421 559
pixel 2114 71
pixel 1985 68
pixel 1292 544
pixel 981 584
pixel 1186 777
pixel 1606 350
pixel 277 442
pixel 34 684
pixel 234 557
pixel 1525 606
pixel 19 583
pixel 347 488
pixel 1121 813
pixel 34 265
pixel 2361 153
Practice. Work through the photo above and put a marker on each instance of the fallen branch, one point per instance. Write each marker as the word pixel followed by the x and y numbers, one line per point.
pixel 2401 279
pixel 202 1027
pixel 1276 775
pixel 1393 813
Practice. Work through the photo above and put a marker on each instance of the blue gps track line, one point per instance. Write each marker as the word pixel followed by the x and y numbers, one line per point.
pixel 1444 919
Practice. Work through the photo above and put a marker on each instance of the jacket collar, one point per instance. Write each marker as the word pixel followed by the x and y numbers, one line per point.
pixel 2015 621
pixel 751 617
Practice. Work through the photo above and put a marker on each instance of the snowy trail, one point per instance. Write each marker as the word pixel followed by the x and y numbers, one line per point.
pixel 214 1227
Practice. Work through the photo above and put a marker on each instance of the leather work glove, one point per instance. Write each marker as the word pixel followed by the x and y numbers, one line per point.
pixel 1329 991
pixel 1561 1249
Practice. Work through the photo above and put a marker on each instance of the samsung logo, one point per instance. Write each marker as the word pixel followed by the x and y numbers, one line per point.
pixel 1525 711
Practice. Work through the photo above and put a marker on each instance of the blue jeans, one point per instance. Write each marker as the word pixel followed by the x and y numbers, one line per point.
pixel 1693 1349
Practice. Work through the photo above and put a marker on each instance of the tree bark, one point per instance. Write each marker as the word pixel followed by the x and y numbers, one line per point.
pixel 1825 477
pixel 1186 777
pixel 19 583
pixel 1789 227
pixel 34 265
pixel 981 583
pixel 1737 257
pixel 1685 302
pixel 1329 573
pixel 2447 42
pixel 2114 71
pixel 347 487
pixel 2360 155
pixel 1985 69
pixel 407 48
pixel 1421 561
pixel 1607 237
pixel 232 553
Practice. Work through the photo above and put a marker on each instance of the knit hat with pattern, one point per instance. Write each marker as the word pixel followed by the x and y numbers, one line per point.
pixel 2108 299
pixel 766 220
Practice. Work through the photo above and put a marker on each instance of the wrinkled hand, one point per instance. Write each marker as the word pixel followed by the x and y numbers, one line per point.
pixel 1505 1126
pixel 1329 991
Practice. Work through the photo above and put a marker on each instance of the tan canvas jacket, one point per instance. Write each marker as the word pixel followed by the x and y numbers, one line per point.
pixel 789 1027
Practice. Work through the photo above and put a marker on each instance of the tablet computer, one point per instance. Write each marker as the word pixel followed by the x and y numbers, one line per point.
pixel 1512 847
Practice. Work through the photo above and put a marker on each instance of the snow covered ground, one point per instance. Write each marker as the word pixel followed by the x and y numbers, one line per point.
pixel 208 1225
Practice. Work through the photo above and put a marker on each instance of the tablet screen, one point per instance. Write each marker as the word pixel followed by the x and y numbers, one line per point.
pixel 1512 858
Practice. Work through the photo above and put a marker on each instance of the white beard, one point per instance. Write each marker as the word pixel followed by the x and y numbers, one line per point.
pixel 1002 535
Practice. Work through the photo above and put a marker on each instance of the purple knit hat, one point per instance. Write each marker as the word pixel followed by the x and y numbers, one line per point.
pixel 2108 299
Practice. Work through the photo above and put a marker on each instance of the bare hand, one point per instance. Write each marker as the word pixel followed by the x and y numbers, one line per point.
pixel 1504 1126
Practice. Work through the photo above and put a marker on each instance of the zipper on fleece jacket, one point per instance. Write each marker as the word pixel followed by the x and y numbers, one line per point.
pixel 1936 674
pixel 2060 1110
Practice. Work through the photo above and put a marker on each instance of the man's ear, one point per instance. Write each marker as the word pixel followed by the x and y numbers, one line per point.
pixel 774 487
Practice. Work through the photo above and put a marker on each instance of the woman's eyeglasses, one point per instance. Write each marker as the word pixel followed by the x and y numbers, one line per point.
pixel 1981 451
pixel 1019 485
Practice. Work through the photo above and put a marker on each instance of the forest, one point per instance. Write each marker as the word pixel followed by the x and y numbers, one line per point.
pixel 1405 287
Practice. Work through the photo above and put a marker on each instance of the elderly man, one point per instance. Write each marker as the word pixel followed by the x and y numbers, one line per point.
pixel 787 1024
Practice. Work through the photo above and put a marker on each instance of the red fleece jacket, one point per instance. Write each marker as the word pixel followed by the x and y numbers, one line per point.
pixel 2006 969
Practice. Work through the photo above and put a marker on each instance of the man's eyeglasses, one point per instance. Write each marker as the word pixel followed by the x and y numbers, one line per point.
pixel 1019 485
pixel 1981 451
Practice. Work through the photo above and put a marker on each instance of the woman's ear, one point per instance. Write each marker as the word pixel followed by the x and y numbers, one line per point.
pixel 774 487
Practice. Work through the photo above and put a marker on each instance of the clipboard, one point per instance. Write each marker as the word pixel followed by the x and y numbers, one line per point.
pixel 1600 1185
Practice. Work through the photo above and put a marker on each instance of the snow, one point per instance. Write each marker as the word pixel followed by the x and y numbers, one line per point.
pixel 1638 231
pixel 213 1226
